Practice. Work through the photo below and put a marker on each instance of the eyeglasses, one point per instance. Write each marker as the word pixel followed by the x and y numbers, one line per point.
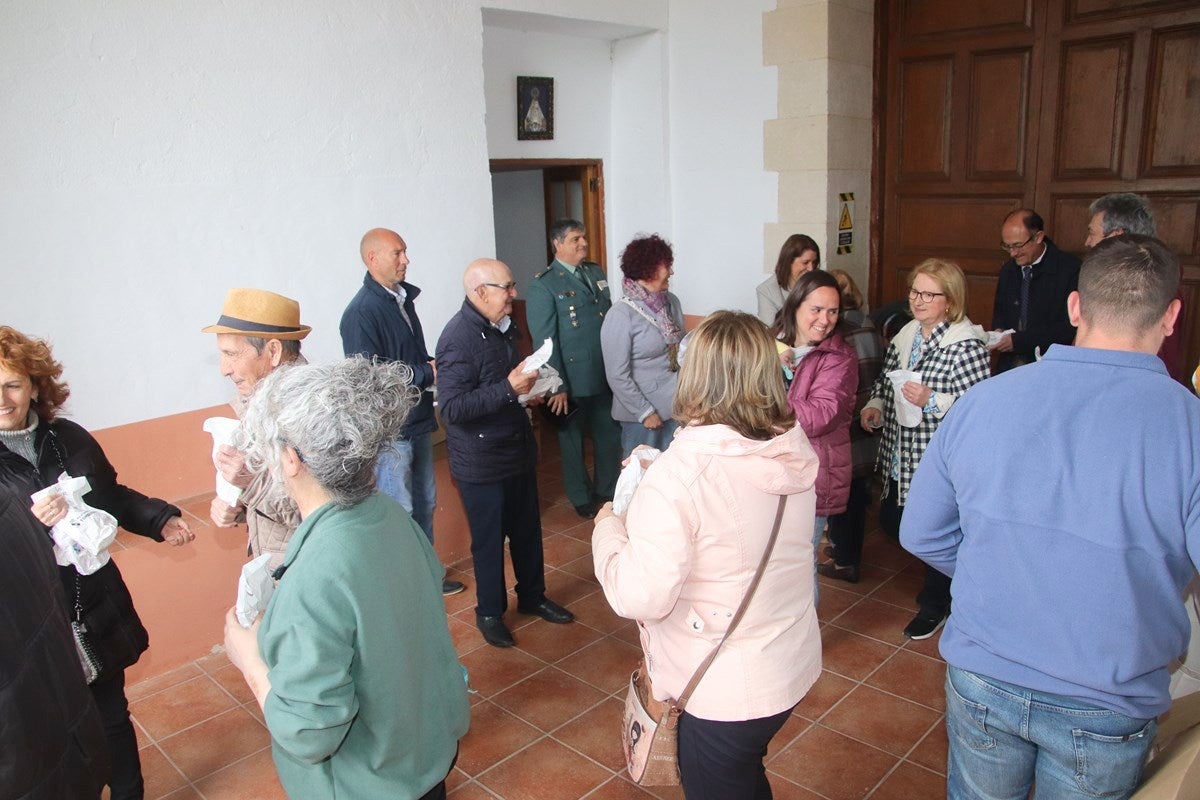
pixel 511 286
pixel 1008 248
pixel 926 297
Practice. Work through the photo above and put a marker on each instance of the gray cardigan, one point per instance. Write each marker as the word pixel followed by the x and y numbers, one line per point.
pixel 636 363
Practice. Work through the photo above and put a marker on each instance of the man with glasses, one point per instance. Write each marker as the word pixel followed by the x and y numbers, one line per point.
pixel 381 322
pixel 567 303
pixel 1032 290
pixel 493 455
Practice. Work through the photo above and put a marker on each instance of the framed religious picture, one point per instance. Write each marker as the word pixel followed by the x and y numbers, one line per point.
pixel 535 108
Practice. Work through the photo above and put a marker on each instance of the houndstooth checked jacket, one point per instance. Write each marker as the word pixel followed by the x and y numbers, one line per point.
pixel 954 360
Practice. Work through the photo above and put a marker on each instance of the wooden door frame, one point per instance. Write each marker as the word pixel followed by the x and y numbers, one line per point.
pixel 591 175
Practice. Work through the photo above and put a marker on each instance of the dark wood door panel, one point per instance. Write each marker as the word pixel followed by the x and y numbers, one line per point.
pixel 1170 147
pixel 924 117
pixel 925 18
pixel 1093 88
pixel 998 115
pixel 1090 10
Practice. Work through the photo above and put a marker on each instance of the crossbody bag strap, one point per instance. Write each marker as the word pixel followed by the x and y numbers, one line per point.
pixel 678 705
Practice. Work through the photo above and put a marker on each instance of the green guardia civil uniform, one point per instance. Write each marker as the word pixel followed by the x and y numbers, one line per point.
pixel 567 304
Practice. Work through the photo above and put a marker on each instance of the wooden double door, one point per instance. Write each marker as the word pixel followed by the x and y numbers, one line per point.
pixel 983 107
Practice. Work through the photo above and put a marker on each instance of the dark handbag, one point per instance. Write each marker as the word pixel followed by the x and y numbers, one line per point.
pixel 93 667
pixel 650 728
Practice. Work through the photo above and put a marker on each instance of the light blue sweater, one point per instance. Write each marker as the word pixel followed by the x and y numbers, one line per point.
pixel 1064 499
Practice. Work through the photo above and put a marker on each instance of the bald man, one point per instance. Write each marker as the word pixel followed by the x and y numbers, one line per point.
pixel 493 455
pixel 381 322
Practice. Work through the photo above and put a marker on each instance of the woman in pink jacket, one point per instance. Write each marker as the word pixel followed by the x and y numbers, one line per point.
pixel 823 390
pixel 681 560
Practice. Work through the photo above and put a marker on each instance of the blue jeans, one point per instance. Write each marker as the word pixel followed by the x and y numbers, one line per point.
pixel 405 474
pixel 1004 738
pixel 818 529
pixel 635 433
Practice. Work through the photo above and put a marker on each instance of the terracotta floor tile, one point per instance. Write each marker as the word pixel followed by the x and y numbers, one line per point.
pixel 783 789
pixel 565 588
pixel 901 591
pixel 465 598
pixel 888 722
pixel 582 567
pixel 927 647
pixel 471 791
pixel 182 706
pixel 527 775
pixel 216 743
pixel 619 788
pixel 213 661
pixel 597 734
pixel 552 642
pixel 231 680
pixel 160 775
pixel 931 751
pixel 494 669
pixel 465 636
pixel 832 765
pixel 791 729
pixel 548 698
pixel 605 664
pixel 149 686
pixel 850 654
pixel 910 782
pixel 494 734
pixel 186 793
pixel 829 689
pixel 629 632
pixel 143 738
pixel 835 600
pixel 914 676
pixel 561 549
pixel 251 778
pixel 594 611
pixel 559 518
pixel 254 710
pixel 883 551
pixel 456 778
pixel 877 620
pixel 869 579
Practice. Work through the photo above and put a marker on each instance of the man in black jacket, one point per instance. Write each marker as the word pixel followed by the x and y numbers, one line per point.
pixel 493 456
pixel 51 739
pixel 1031 293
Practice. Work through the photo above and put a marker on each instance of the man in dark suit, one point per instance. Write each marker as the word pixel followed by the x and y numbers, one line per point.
pixel 567 302
pixel 1031 294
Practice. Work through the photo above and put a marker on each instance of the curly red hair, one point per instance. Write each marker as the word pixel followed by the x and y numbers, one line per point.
pixel 641 257
pixel 32 357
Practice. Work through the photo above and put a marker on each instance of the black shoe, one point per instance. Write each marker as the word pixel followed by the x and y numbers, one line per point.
pixel 549 611
pixel 452 587
pixel 923 626
pixel 587 510
pixel 494 631
pixel 830 569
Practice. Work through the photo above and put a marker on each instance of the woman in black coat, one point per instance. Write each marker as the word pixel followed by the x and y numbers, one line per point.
pixel 36 447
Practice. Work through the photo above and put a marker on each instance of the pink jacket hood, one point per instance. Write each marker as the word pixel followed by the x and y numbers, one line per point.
pixel 783 465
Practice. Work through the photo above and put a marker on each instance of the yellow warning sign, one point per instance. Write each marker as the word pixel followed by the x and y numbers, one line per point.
pixel 845 223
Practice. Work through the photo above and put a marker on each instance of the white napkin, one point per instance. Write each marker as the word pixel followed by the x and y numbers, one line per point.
pixel 631 476
pixel 255 587
pixel 223 430
pixel 907 414
pixel 994 337
pixel 82 537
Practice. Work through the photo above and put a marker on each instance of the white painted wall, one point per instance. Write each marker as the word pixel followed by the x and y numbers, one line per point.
pixel 720 96
pixel 519 212
pixel 155 155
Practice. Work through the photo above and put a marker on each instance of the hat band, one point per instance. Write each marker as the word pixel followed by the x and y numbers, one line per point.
pixel 257 327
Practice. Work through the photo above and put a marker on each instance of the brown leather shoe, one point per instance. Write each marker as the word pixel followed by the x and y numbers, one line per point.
pixel 829 569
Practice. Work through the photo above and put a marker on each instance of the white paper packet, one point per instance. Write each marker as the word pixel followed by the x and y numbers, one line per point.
pixel 82 537
pixel 631 476
pixel 223 430
pixel 548 381
pixel 538 358
pixel 255 587
pixel 994 337
pixel 907 414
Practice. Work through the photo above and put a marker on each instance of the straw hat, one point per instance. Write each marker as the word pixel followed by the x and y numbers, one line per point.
pixel 257 312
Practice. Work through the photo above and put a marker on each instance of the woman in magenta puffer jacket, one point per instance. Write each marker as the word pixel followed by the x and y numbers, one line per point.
pixel 823 388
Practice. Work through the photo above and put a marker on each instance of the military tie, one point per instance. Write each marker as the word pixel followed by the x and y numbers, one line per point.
pixel 1026 277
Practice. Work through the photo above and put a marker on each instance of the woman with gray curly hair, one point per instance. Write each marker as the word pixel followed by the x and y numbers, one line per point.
pixel 352 662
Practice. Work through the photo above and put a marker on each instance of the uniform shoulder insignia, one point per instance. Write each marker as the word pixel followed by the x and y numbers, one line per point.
pixel 543 272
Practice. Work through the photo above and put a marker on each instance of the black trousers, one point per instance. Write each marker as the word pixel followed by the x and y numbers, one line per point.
pixel 934 597
pixel 126 781
pixel 505 508
pixel 724 760
pixel 847 530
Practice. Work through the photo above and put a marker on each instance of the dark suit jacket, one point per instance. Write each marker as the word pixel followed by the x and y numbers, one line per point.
pixel 1054 278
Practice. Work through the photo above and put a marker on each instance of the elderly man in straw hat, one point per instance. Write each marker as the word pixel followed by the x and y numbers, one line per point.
pixel 257 332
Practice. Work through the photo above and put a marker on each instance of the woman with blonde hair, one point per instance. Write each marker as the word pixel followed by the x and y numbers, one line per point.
pixel 682 559
pixel 949 353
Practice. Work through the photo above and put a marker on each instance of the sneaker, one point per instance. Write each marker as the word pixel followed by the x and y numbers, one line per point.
pixel 452 587
pixel 922 626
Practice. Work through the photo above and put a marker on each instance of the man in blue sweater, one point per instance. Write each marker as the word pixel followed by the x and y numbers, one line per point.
pixel 381 322
pixel 1064 499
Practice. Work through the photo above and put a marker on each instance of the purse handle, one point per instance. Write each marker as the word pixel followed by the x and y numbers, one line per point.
pixel 677 706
